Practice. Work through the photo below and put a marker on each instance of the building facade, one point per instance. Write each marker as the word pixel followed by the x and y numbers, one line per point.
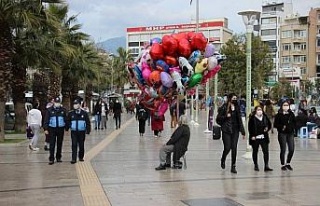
pixel 314 43
pixel 216 31
pixel 270 21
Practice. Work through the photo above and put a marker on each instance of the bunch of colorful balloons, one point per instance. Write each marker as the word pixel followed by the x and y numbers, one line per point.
pixel 173 65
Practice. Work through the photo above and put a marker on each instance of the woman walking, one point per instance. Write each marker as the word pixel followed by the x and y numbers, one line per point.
pixel 259 126
pixel 229 118
pixel 285 123
pixel 34 120
pixel 269 111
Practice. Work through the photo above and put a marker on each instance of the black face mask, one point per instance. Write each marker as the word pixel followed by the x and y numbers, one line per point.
pixel 234 102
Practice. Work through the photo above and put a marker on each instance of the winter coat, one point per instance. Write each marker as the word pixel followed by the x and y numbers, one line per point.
pixel 226 122
pixel 78 121
pixel 180 139
pixel 256 127
pixel 285 123
pixel 55 117
pixel 157 122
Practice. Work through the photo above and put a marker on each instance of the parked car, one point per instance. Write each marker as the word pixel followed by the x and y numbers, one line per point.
pixel 9 114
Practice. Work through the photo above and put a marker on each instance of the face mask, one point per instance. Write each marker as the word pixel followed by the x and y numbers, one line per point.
pixel 285 108
pixel 234 101
pixel 259 113
pixel 76 106
pixel 56 104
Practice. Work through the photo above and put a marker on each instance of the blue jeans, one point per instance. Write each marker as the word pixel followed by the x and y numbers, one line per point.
pixel 97 120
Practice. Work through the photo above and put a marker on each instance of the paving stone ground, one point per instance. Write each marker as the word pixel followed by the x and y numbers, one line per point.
pixel 124 168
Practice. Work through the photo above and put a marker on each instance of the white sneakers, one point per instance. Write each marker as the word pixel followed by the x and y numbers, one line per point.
pixel 33 148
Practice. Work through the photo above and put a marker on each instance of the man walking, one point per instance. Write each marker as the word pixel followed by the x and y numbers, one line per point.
pixel 117 110
pixel 54 125
pixel 79 124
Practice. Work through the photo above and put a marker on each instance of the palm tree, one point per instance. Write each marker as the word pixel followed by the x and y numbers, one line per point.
pixel 31 50
pixel 15 16
pixel 120 69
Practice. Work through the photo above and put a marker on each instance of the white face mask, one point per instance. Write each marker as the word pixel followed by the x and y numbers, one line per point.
pixel 76 106
pixel 259 112
pixel 56 104
pixel 285 108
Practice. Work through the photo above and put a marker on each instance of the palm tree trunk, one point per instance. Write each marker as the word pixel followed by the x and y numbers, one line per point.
pixel 66 85
pixel 18 96
pixel 55 85
pixel 40 90
pixel 6 52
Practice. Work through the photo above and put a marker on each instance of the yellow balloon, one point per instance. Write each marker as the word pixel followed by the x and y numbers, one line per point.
pixel 201 66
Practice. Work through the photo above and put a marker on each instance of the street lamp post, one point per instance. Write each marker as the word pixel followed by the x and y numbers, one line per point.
pixel 194 121
pixel 249 18
pixel 112 62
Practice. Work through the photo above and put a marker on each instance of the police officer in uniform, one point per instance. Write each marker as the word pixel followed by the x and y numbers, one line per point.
pixel 54 126
pixel 79 124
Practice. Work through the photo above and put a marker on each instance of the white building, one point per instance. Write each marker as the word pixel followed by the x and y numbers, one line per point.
pixel 216 31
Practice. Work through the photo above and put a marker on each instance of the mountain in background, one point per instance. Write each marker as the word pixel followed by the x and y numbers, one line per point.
pixel 111 45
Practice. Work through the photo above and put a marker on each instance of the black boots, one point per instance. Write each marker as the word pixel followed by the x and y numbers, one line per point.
pixel 177 165
pixel 233 169
pixel 161 167
pixel 256 168
pixel 223 164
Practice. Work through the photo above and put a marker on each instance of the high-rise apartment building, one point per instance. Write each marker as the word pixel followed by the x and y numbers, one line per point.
pixel 314 43
pixel 294 49
pixel 270 21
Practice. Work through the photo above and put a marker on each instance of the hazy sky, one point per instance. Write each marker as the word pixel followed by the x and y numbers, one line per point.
pixel 104 19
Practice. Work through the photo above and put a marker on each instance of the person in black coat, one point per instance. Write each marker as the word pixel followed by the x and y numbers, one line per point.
pixel 97 114
pixel 178 144
pixel 259 126
pixel 285 122
pixel 79 124
pixel 229 118
pixel 141 116
pixel 301 120
pixel 54 126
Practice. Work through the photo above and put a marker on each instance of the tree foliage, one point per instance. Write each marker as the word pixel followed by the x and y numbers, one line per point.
pixel 232 77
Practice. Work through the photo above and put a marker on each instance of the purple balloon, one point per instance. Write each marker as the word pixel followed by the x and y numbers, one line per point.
pixel 166 79
pixel 209 51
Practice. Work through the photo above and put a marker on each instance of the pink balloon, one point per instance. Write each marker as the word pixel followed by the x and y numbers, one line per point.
pixel 166 79
pixel 146 71
pixel 163 108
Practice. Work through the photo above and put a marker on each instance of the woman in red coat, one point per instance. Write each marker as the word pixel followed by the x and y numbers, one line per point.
pixel 156 124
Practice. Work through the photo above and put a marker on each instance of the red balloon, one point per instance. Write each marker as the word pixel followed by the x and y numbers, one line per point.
pixel 156 51
pixel 171 61
pixel 190 35
pixel 184 48
pixel 180 35
pixel 198 42
pixel 169 44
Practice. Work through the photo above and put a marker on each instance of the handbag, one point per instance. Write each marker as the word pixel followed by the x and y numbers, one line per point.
pixel 29 133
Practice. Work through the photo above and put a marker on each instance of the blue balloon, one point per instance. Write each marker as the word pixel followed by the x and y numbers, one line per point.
pixel 155 40
pixel 194 57
pixel 163 65
pixel 138 74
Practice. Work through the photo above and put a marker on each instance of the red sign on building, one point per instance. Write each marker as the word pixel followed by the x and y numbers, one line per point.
pixel 176 26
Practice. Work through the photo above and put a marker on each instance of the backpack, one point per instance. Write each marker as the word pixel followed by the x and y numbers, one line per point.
pixel 142 114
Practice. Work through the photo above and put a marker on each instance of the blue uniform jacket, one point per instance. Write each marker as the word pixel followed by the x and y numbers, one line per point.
pixel 78 121
pixel 55 118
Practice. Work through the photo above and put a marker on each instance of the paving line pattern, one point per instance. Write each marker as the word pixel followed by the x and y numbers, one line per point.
pixel 91 189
